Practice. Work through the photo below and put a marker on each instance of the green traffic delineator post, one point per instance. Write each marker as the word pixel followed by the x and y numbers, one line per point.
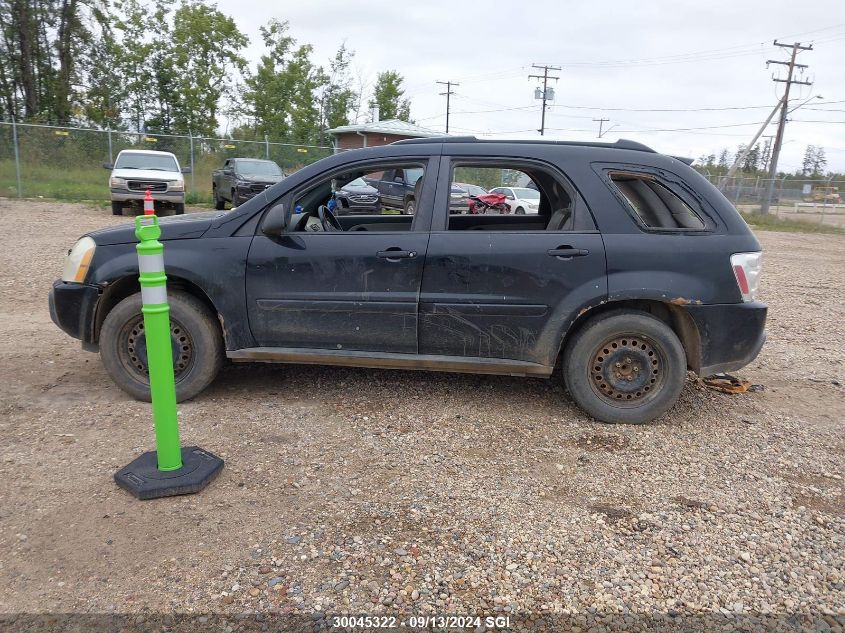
pixel 169 470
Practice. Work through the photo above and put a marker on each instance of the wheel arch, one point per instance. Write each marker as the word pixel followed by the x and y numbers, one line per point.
pixel 682 324
pixel 124 287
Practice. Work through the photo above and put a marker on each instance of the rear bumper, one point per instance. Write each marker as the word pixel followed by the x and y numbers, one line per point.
pixel 731 335
pixel 73 307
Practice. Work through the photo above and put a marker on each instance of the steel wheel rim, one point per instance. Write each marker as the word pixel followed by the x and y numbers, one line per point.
pixel 627 370
pixel 133 353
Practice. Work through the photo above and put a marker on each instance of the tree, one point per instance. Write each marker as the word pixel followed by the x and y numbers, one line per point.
pixel 338 98
pixel 200 66
pixel 387 97
pixel 807 163
pixel 44 45
pixel 752 160
pixel 819 161
pixel 724 159
pixel 268 94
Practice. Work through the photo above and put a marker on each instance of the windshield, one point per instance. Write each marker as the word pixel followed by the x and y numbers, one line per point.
pixel 156 162
pixel 528 194
pixel 258 168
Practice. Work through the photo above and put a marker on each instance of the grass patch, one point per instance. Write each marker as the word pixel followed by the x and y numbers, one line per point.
pixel 84 183
pixel 773 223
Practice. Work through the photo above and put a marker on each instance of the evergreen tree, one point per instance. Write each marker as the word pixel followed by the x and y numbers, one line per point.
pixel 387 96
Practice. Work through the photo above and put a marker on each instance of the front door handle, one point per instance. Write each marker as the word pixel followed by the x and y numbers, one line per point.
pixel 395 254
pixel 566 252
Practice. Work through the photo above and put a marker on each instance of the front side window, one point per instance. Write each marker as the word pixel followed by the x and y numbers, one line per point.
pixel 361 199
pixel 654 204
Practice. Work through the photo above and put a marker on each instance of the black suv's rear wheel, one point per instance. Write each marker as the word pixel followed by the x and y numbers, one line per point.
pixel 195 338
pixel 625 366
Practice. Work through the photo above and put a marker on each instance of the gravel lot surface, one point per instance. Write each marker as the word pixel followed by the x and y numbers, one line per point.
pixel 364 491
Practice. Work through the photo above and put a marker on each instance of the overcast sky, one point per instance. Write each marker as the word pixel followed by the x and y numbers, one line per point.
pixel 622 61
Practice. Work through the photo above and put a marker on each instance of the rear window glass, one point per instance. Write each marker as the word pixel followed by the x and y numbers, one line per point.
pixel 654 203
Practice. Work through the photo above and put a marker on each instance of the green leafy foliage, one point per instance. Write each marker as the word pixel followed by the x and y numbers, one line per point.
pixel 387 97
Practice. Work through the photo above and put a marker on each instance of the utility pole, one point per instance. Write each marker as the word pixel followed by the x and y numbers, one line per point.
pixel 601 122
pixel 448 94
pixel 546 94
pixel 773 166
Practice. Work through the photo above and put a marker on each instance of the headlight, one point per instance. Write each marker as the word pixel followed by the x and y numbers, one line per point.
pixel 117 182
pixel 78 260
pixel 176 185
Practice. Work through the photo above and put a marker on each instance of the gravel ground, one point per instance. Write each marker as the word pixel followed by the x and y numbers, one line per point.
pixel 377 492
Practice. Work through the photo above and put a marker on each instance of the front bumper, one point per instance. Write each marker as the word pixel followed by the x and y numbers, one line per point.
pixel 125 195
pixel 73 307
pixel 731 335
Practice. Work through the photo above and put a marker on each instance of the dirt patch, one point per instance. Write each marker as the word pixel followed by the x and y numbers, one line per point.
pixel 613 512
pixel 602 442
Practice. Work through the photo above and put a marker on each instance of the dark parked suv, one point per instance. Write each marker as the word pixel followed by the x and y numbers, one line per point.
pixel 634 270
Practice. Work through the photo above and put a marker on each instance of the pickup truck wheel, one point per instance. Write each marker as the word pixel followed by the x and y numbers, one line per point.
pixel 179 208
pixel 236 201
pixel 219 203
pixel 625 366
pixel 117 208
pixel 410 207
pixel 195 335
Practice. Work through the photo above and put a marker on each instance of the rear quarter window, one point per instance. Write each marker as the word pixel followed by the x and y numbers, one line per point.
pixel 654 203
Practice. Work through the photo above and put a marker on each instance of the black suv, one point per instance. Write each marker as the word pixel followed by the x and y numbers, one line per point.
pixel 634 270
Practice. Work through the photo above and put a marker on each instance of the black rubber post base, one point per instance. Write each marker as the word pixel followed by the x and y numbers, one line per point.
pixel 143 479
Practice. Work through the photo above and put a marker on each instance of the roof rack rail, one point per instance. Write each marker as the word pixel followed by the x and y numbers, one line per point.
pixel 620 144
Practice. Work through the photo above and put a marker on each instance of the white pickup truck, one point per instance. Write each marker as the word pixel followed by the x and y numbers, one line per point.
pixel 137 170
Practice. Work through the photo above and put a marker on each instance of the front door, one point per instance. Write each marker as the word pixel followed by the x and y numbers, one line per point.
pixel 508 286
pixel 354 290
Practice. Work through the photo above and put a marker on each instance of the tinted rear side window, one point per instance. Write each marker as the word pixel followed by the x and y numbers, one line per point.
pixel 655 204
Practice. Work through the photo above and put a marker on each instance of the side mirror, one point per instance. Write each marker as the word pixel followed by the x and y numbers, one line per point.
pixel 227 172
pixel 275 221
pixel 186 170
pixel 108 166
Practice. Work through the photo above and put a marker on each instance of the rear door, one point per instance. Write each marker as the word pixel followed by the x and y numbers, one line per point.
pixel 508 287
pixel 355 290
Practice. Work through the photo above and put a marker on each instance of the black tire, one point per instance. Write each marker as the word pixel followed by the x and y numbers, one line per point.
pixel 410 207
pixel 179 208
pixel 519 211
pixel 124 353
pixel 117 208
pixel 236 201
pixel 625 366
pixel 219 203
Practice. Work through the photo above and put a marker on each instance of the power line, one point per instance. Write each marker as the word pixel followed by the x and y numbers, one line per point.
pixel 448 94
pixel 546 96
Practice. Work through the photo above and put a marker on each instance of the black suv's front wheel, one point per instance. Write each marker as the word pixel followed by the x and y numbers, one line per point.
pixel 625 366
pixel 195 338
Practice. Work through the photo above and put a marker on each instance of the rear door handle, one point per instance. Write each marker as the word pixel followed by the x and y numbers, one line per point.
pixel 565 252
pixel 395 254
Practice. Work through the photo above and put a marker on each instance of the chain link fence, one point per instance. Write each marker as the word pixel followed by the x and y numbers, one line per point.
pixel 66 163
pixel 820 200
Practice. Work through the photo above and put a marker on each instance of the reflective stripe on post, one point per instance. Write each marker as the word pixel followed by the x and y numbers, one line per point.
pixel 156 313
pixel 149 207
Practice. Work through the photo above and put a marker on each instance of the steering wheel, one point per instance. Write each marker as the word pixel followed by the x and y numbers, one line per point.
pixel 328 219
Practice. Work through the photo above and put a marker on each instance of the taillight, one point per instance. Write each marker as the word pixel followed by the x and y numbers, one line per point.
pixel 747 267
